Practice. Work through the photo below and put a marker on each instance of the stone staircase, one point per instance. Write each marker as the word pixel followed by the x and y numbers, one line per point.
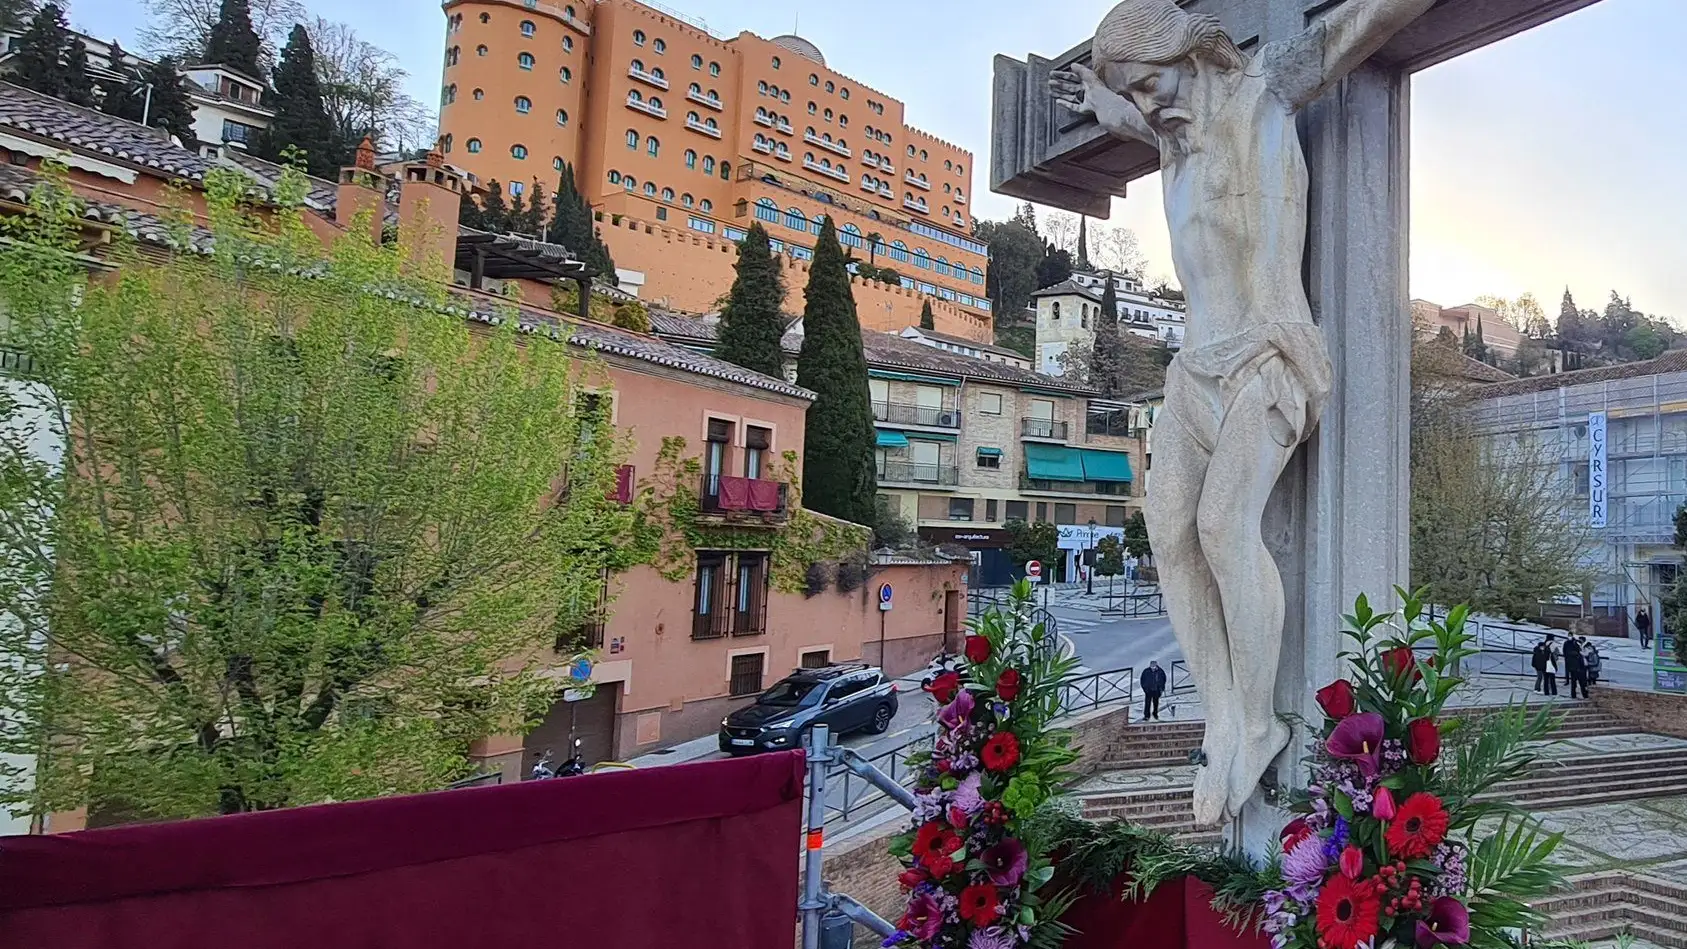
pixel 1604 906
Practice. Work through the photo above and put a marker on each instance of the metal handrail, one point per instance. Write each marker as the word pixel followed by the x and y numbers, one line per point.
pixel 857 792
pixel 1098 689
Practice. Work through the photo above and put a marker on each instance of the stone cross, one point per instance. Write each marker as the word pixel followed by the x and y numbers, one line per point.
pixel 1337 522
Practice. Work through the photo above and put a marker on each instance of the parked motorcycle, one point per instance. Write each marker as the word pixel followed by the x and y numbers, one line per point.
pixel 544 768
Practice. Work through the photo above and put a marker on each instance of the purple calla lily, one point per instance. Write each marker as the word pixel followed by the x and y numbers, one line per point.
pixel 1359 739
pixel 1448 924
pixel 1006 862
pixel 924 917
pixel 956 713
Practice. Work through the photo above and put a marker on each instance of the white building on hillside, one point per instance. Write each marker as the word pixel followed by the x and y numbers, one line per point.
pixel 1067 310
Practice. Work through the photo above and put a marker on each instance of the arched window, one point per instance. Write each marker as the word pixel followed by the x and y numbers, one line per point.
pixel 813 80
pixel 785 96
pixel 557 163
pixel 629 183
pixel 614 177
pixel 1084 312
pixel 480 50
pixel 656 102
pixel 562 117
pixel 843 120
pixel 479 94
pixel 817 223
pixel 696 62
pixel 708 164
pixel 523 104
pixel 851 236
pixel 775 62
pixel 634 96
pixel 518 151
pixel 638 37
pixel 660 46
pixel 1054 310
pixel 652 146
pixel 632 138
pixel 474 146
pixel 657 72
pixel 687 200
pixel 808 157
pixel 899 251
pixel 452 54
pixel 761 88
pixel 568 44
pixel 667 194
pixel 710 123
pixel 638 65
pixel 448 139
pixel 450 95
pixel 726 171
pixel 828 115
pixel 924 157
pixel 568 11
pixel 486 18
pixel 714 69
pixel 795 219
pixel 844 92
pixel 650 189
pixel 706 206
pixel 766 210
pixel 528 28
pixel 948 165
pixel 827 138
pixel 945 187
pixel 922 260
pixel 826 163
pixel 693 118
pixel 697 90
pixel 943 266
pixel 977 275
pixel 830 87
pixel 910 151
pixel 525 60
pixel 690 158
pixel 713 96
pixel 812 108
pixel 564 74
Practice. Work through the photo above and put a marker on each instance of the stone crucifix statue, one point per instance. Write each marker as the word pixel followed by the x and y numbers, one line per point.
pixel 1253 376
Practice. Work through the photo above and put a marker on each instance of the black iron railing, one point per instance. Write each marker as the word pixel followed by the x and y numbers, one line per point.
pixel 903 413
pixel 1042 428
pixel 908 472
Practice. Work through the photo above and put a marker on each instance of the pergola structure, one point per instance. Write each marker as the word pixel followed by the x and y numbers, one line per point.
pixel 509 256
pixel 1338 522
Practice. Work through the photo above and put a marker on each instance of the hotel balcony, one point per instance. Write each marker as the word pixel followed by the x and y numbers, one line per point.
pixel 869 161
pixel 869 187
pixel 766 120
pixel 647 78
pixel 903 413
pixel 885 165
pixel 919 206
pixel 786 128
pixel 705 101
pixel 763 147
pixel 837 173
pixel 916 181
pixel 1042 428
pixel 783 155
pixel 702 129
pixel 1097 489
pixel 830 146
pixel 748 501
pixel 885 192
pixel 920 475
pixel 639 105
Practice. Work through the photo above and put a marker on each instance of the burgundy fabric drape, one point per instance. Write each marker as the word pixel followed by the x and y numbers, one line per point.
pixel 1178 915
pixel 734 493
pixel 764 495
pixel 691 855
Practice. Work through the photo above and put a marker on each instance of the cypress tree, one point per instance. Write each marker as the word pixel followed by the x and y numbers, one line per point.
pixel 78 84
pixel 753 321
pixel 171 109
pixel 301 120
pixel 838 473
pixel 16 14
pixel 572 227
pixel 927 320
pixel 39 60
pixel 531 221
pixel 494 213
pixel 233 42
pixel 1107 356
pixel 469 213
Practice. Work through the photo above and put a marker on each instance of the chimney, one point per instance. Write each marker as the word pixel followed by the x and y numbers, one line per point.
pixel 429 199
pixel 362 190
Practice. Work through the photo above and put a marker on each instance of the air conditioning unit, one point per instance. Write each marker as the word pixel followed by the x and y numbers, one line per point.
pixel 947 419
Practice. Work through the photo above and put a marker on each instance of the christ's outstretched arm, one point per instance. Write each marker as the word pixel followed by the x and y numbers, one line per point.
pixel 1304 66
pixel 1082 91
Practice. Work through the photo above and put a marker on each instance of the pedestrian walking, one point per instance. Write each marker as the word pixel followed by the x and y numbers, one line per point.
pixel 1593 661
pixel 1538 661
pixel 1575 668
pixel 1153 684
pixel 1553 658
pixel 1643 623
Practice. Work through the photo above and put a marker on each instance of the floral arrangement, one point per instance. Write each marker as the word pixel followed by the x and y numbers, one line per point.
pixel 1384 852
pixel 975 866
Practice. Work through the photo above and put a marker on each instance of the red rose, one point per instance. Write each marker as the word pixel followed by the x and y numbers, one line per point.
pixel 1418 827
pixel 1352 862
pixel 1336 699
pixel 1295 832
pixel 1007 685
pixel 1001 752
pixel 980 904
pixel 939 865
pixel 957 818
pixel 925 837
pixel 977 649
pixel 1423 741
pixel 944 687
pixel 912 877
pixel 1399 659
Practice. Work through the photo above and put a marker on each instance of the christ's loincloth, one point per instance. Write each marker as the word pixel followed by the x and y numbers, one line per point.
pixel 1288 358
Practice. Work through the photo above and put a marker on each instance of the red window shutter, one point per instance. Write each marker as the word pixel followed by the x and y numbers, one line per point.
pixel 623 492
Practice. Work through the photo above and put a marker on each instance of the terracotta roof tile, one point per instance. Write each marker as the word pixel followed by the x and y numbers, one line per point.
pixel 16 183
pixel 94 131
pixel 1673 361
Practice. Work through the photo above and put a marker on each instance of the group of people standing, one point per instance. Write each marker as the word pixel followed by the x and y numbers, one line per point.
pixel 1578 659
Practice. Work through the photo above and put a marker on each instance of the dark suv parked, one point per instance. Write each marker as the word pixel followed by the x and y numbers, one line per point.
pixel 845 698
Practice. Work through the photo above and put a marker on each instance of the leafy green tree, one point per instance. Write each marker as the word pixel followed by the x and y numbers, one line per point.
pixel 40 54
pixel 1674 603
pixel 233 42
pixel 301 121
pixel 1055 268
pixel 573 227
pixel 1109 557
pixel 169 107
pixel 1027 541
pixel 838 476
pixel 1136 536
pixel 927 320
pixel 302 523
pixel 753 320
pixel 1015 252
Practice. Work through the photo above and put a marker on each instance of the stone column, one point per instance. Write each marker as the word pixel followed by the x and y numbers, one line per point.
pixel 1339 523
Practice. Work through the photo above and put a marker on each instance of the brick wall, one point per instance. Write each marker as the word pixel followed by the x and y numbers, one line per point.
pixel 1656 712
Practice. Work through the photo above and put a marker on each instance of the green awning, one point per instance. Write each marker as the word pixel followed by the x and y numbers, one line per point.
pixel 1106 465
pixel 1053 462
pixel 892 439
pixel 990 452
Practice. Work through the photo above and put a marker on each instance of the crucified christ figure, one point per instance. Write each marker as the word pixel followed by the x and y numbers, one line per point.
pixel 1253 376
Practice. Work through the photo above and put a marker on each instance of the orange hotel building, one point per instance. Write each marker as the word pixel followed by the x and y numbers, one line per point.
pixel 680 139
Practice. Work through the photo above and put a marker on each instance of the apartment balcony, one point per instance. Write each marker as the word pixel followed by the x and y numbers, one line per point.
pixel 705 101
pixel 647 78
pixel 1042 428
pixel 919 206
pixel 918 475
pixel 746 501
pixel 702 129
pixel 766 120
pixel 903 413
pixel 915 180
pixel 639 105
pixel 1088 489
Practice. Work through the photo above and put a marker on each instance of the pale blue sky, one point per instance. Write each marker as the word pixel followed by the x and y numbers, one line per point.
pixel 1553 159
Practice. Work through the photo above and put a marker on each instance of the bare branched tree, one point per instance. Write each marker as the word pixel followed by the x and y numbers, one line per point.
pixel 1117 249
pixel 179 27
pixel 363 88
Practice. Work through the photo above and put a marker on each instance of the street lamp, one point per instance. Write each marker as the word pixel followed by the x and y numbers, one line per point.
pixel 1090 577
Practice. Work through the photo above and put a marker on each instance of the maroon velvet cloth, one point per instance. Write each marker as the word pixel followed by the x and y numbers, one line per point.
pixel 764 495
pixel 1178 915
pixel 734 493
pixel 691 855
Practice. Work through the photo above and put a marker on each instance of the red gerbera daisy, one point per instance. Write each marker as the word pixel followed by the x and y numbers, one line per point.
pixel 1347 912
pixel 934 838
pixel 979 904
pixel 1418 827
pixel 1001 752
